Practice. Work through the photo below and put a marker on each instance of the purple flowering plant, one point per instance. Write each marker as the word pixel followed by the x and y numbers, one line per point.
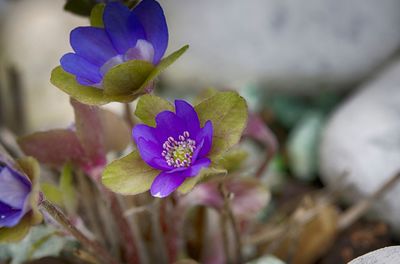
pixel 175 147
pixel 118 57
pixel 19 197
pixel 178 146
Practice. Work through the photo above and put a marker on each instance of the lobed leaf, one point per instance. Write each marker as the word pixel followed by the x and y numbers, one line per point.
pixel 149 106
pixel 228 114
pixel 204 174
pixel 233 159
pixel 96 15
pixel 16 233
pixel 126 79
pixel 84 94
pixel 164 63
pixel 122 83
pixel 89 130
pixel 53 147
pixel 129 175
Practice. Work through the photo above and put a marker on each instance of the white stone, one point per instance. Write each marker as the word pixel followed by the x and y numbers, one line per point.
pixel 387 255
pixel 293 45
pixel 363 139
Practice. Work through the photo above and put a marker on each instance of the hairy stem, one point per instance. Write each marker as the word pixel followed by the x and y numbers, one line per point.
pixel 98 250
pixel 231 218
pixel 125 229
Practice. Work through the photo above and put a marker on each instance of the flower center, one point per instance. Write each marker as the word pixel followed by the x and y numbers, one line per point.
pixel 178 153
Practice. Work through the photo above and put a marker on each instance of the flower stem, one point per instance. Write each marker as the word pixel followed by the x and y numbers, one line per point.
pixel 229 214
pixel 125 229
pixel 99 251
pixel 128 115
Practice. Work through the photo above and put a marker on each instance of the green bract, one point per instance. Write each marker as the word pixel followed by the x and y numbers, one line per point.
pixel 122 83
pixel 226 110
pixel 30 168
pixel 96 15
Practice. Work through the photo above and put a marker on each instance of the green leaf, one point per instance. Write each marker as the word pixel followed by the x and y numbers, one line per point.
pixel 122 83
pixel 127 78
pixel 129 175
pixel 149 106
pixel 52 193
pixel 96 15
pixel 228 114
pixel 79 7
pixel 233 159
pixel 85 94
pixel 164 64
pixel 204 174
pixel 204 94
pixel 67 188
pixel 16 233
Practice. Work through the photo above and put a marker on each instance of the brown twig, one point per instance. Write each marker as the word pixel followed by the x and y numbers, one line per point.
pixel 99 251
pixel 356 211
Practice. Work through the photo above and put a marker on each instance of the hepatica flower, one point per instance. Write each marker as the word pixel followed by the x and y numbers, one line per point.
pixel 14 196
pixel 18 198
pixel 121 55
pixel 177 146
pixel 140 34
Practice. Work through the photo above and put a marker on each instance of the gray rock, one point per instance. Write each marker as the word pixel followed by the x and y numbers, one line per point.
pixel 363 139
pixel 299 46
pixel 387 255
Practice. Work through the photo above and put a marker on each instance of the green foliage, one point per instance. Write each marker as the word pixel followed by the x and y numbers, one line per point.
pixel 42 241
pixel 122 83
pixel 96 16
pixel 129 175
pixel 52 193
pixel 126 80
pixel 85 94
pixel 149 106
pixel 228 114
pixel 226 110
pixel 79 7
pixel 233 159
pixel 205 173
pixel 67 188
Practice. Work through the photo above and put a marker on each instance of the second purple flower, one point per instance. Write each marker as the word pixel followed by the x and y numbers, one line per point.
pixel 177 146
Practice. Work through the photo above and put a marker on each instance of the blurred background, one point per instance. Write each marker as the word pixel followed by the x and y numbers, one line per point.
pixel 323 74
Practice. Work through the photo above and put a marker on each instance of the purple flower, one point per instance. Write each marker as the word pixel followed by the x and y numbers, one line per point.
pixel 138 34
pixel 15 190
pixel 177 146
